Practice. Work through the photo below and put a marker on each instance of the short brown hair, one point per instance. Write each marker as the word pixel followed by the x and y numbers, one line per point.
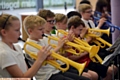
pixel 84 7
pixel 46 14
pixel 59 17
pixel 75 21
pixel 32 21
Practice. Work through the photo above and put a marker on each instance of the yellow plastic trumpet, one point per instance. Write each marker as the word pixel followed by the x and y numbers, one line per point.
pixel 68 43
pixel 78 66
pixel 76 40
pixel 93 50
pixel 98 40
pixel 80 48
pixel 98 32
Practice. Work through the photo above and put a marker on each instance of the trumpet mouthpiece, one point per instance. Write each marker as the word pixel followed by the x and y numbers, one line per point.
pixel 44 35
pixel 54 27
pixel 21 39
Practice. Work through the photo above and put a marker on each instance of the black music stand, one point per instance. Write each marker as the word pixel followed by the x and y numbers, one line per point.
pixel 110 58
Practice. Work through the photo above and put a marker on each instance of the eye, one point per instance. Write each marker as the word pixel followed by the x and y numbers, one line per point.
pixel 80 29
pixel 17 30
pixel 40 29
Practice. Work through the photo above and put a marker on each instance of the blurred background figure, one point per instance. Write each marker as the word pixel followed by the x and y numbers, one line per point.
pixel 85 2
pixel 101 10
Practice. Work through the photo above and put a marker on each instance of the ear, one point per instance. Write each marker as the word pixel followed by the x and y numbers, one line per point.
pixel 29 31
pixel 3 32
pixel 72 27
pixel 81 13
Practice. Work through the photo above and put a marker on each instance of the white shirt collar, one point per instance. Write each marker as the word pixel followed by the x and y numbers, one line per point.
pixel 85 20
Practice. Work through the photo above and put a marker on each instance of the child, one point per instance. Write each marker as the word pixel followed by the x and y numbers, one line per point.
pixel 61 23
pixel 73 13
pixel 36 25
pixel 76 25
pixel 12 63
pixel 86 11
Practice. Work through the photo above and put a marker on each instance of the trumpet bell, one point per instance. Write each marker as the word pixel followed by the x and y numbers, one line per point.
pixel 107 31
pixel 93 51
pixel 94 55
pixel 79 66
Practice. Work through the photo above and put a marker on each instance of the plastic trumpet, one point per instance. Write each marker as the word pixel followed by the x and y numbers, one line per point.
pixel 79 67
pixel 112 26
pixel 80 48
pixel 98 40
pixel 98 32
pixel 93 50
pixel 76 40
pixel 73 51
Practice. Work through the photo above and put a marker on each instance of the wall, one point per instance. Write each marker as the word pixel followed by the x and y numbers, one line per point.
pixel 93 2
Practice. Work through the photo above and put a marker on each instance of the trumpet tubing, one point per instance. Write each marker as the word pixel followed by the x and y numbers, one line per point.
pixel 98 40
pixel 104 42
pixel 68 62
pixel 107 31
pixel 76 40
pixel 81 42
pixel 84 46
pixel 102 45
pixel 68 43
pixel 51 62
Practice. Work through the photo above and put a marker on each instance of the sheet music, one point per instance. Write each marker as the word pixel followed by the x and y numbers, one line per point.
pixel 110 57
pixel 107 58
pixel 115 45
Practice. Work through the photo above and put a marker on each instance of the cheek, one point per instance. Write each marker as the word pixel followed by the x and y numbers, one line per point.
pixel 78 32
pixel 65 25
pixel 75 32
pixel 14 33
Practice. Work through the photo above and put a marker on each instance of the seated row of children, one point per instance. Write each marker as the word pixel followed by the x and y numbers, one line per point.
pixel 12 62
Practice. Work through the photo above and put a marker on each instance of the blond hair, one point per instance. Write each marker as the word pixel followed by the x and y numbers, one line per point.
pixel 84 7
pixel 5 21
pixel 32 21
pixel 60 17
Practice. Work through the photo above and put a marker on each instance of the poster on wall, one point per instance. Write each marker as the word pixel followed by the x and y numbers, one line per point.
pixel 20 4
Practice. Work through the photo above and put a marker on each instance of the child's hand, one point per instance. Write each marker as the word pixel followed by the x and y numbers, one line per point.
pixel 101 22
pixel 44 52
pixel 62 41
pixel 67 46
pixel 83 32
pixel 60 44
pixel 50 58
pixel 70 36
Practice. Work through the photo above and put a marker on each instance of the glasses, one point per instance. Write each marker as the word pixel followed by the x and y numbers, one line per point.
pixel 89 11
pixel 6 22
pixel 51 21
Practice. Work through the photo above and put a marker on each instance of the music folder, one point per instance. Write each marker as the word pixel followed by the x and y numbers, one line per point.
pixel 108 59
